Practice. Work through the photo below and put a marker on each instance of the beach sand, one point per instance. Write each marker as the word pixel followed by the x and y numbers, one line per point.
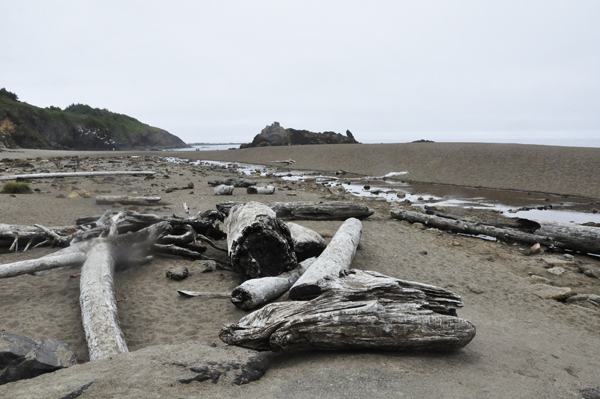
pixel 525 346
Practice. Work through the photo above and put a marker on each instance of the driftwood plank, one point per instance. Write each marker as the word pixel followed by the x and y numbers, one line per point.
pixel 370 312
pixel 310 210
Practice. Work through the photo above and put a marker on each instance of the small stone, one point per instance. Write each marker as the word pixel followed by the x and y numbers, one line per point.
pixel 84 193
pixel 557 271
pixel 549 292
pixel 590 270
pixel 595 299
pixel 535 249
pixel 534 279
pixel 73 194
pixel 209 265
pixel 475 289
pixel 169 190
pixel 455 244
pixel 553 262
pixel 568 257
pixel 417 225
pixel 423 253
pixel 60 196
pixel 178 273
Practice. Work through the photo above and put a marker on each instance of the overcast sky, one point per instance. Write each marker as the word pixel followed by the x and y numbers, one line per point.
pixel 390 71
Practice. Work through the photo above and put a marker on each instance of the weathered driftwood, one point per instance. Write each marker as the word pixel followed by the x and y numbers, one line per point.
pixel 77 174
pixel 215 295
pixel 309 210
pixel 261 190
pixel 288 161
pixel 307 242
pixel 223 189
pixel 572 236
pixel 172 249
pixel 126 200
pixel 233 181
pixel 460 226
pixel 52 261
pixel 336 257
pixel 368 312
pixel 258 243
pixel 97 297
pixel 258 291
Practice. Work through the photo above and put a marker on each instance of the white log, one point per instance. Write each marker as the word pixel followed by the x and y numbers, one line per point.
pixel 224 190
pixel 307 242
pixel 77 174
pixel 258 291
pixel 43 263
pixel 258 243
pixel 336 257
pixel 364 312
pixel 261 190
pixel 126 200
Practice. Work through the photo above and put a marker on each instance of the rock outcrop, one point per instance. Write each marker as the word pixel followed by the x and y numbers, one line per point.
pixel 276 135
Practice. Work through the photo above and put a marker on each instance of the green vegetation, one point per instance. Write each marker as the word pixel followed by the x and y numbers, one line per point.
pixel 77 127
pixel 16 188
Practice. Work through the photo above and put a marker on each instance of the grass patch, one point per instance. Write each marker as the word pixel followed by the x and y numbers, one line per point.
pixel 16 188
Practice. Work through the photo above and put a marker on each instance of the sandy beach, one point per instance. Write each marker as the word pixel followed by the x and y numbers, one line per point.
pixel 525 346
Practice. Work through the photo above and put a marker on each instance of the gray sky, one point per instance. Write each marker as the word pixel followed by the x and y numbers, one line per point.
pixel 390 71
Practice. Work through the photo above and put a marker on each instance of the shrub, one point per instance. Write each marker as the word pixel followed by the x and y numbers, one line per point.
pixel 16 188
pixel 8 94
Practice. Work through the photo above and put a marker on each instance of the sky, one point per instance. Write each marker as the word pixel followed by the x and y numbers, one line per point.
pixel 389 71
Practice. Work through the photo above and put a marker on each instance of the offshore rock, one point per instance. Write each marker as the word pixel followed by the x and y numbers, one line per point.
pixel 276 135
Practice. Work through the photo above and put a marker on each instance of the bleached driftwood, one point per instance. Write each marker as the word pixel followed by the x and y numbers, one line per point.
pixel 258 291
pixel 310 210
pixel 97 297
pixel 258 243
pixel 289 161
pixel 307 242
pixel 216 295
pixel 223 189
pixel 336 257
pixel 126 200
pixel 365 311
pixel 572 236
pixel 77 174
pixel 51 261
pixel 261 190
pixel 233 181
pixel 461 226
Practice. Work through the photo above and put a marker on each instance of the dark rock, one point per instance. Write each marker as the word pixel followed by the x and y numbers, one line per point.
pixel 276 135
pixel 22 357
pixel 178 273
pixel 590 393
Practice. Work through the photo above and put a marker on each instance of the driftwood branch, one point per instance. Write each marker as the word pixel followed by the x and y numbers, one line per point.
pixel 77 174
pixel 368 312
pixel 261 190
pixel 126 200
pixel 309 210
pixel 336 257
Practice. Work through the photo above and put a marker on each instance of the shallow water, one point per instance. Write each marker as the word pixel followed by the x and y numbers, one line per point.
pixel 529 205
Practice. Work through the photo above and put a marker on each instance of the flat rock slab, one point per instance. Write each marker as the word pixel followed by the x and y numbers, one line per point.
pixel 591 270
pixel 167 371
pixel 554 262
pixel 549 292
pixel 22 357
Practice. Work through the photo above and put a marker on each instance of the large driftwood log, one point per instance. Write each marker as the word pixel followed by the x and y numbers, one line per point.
pixel 77 174
pixel 258 291
pixel 309 210
pixel 572 236
pixel 258 243
pixel 307 242
pixel 223 189
pixel 52 261
pixel 233 181
pixel 261 190
pixel 97 296
pixel 369 312
pixel 460 226
pixel 126 200
pixel 336 257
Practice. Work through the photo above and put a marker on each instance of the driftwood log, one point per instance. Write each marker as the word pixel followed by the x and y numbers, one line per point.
pixel 258 243
pixel 258 291
pixel 307 242
pixel 77 174
pixel 223 189
pixel 369 311
pixel 126 200
pixel 572 236
pixel 309 210
pixel 233 181
pixel 336 257
pixel 97 297
pixel 52 261
pixel 461 226
pixel 261 190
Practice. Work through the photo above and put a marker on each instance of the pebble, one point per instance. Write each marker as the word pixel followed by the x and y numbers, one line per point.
pixel 534 279
pixel 557 271
pixel 178 273
pixel 590 270
pixel 418 225
pixel 549 292
pixel 553 262
pixel 475 289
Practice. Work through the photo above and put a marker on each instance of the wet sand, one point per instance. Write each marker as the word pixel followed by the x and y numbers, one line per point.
pixel 525 346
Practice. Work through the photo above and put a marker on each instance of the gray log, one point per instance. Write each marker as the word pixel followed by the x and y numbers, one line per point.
pixel 223 189
pixel 307 242
pixel 234 181
pixel 261 190
pixel 460 226
pixel 258 243
pixel 52 261
pixel 336 257
pixel 572 236
pixel 258 291
pixel 126 200
pixel 97 296
pixel 310 210
pixel 77 174
pixel 369 315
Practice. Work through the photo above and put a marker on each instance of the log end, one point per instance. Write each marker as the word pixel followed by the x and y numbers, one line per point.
pixel 305 292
